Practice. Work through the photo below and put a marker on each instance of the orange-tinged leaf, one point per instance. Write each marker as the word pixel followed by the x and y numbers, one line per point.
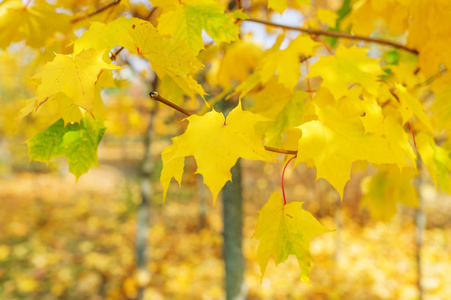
pixel 216 143
pixel 75 76
pixel 285 230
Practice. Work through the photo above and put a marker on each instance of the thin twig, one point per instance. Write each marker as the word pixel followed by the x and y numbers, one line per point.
pixel 152 10
pixel 114 55
pixel 116 2
pixel 317 32
pixel 155 96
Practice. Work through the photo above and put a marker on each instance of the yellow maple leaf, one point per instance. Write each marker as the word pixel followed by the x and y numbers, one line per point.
pixel 383 191
pixel 326 16
pixel 286 62
pixel 442 106
pixel 285 230
pixel 281 5
pixel 412 105
pixel 167 57
pixel 395 13
pixel 190 17
pixel 437 161
pixel 240 59
pixel 338 139
pixel 34 24
pixel 75 76
pixel 216 143
pixel 348 66
pixel 429 29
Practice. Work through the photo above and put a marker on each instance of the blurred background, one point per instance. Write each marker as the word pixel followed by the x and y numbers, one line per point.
pixel 62 239
pixel 109 235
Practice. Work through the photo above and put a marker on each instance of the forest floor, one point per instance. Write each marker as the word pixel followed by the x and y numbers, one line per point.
pixel 65 240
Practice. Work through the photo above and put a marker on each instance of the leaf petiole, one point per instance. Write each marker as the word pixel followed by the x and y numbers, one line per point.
pixel 283 176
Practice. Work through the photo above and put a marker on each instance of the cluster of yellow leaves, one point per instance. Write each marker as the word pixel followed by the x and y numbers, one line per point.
pixel 426 22
pixel 338 109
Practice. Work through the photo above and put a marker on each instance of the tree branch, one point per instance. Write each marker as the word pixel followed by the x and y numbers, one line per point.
pixel 115 2
pixel 155 96
pixel 317 32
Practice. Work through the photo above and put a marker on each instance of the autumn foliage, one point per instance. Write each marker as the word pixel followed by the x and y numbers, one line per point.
pixel 355 85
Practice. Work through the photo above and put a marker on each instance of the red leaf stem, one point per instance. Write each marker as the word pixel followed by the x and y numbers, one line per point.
pixel 283 175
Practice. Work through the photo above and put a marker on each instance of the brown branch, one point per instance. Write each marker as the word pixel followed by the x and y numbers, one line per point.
pixel 317 32
pixel 157 97
pixel 113 55
pixel 115 2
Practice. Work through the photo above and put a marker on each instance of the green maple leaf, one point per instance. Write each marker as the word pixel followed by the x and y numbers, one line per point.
pixel 77 142
pixel 187 20
pixel 285 230
pixel 216 144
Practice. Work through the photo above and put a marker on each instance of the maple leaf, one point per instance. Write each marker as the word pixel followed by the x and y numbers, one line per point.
pixel 285 63
pixel 188 19
pixel 326 16
pixel 395 14
pixel 77 142
pixel 429 28
pixel 281 5
pixel 348 66
pixel 338 139
pixel 283 107
pixel 75 76
pixel 167 56
pixel 383 191
pixel 437 161
pixel 216 144
pixel 284 230
pixel 412 105
pixel 240 59
pixel 34 24
pixel 442 106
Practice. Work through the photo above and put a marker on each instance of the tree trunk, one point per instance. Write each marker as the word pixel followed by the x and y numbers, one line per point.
pixel 232 197
pixel 420 225
pixel 143 213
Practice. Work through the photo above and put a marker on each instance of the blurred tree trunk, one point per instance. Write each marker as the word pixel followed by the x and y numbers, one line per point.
pixel 203 209
pixel 232 249
pixel 338 220
pixel 420 224
pixel 143 213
